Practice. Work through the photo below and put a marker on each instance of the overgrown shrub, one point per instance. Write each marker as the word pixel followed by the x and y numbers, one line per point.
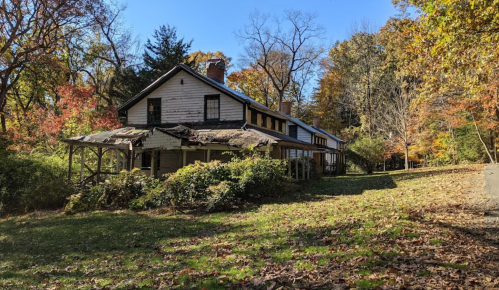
pixel 121 191
pixel 366 152
pixel 32 182
pixel 215 185
pixel 191 182
pixel 255 175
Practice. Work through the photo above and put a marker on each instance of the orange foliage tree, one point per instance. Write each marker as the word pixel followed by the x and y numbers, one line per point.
pixel 75 112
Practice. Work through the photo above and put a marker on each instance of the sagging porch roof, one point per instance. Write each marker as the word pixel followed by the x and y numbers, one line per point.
pixel 131 137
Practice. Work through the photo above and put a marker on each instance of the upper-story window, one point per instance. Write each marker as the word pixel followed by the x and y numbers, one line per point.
pixel 264 121
pixel 293 131
pixel 153 111
pixel 254 117
pixel 281 126
pixel 212 108
pixel 272 123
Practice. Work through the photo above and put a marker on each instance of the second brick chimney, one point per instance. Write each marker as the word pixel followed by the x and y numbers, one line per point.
pixel 215 69
pixel 317 122
pixel 286 108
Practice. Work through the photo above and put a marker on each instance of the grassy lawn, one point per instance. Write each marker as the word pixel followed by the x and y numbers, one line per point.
pixel 399 230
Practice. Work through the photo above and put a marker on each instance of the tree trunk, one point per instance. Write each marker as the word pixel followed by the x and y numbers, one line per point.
pixel 406 152
pixel 481 139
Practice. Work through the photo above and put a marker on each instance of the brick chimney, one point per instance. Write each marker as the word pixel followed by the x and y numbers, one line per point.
pixel 317 122
pixel 286 108
pixel 215 69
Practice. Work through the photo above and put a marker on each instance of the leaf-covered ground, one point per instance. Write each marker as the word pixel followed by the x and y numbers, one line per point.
pixel 418 230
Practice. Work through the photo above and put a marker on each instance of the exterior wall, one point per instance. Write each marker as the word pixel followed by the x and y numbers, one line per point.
pixel 332 143
pixel 269 124
pixel 185 103
pixel 302 134
pixel 169 161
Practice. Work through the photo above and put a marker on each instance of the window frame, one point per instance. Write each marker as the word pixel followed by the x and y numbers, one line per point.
pixel 295 129
pixel 254 117
pixel 149 113
pixel 211 97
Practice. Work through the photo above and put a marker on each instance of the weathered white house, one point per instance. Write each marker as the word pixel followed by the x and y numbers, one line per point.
pixel 185 116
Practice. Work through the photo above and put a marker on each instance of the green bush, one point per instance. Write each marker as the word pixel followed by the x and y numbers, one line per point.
pixel 124 190
pixel 255 175
pixel 32 182
pixel 215 185
pixel 366 152
pixel 190 183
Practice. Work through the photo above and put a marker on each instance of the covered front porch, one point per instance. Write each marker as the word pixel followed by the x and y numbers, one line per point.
pixel 159 151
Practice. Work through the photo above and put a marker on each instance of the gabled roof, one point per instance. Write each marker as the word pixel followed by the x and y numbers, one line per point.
pixel 328 134
pixel 306 127
pixel 216 85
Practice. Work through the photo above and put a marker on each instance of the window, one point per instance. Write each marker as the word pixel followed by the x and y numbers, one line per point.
pixel 281 126
pixel 272 123
pixel 293 131
pixel 212 108
pixel 264 121
pixel 153 111
pixel 254 117
pixel 147 160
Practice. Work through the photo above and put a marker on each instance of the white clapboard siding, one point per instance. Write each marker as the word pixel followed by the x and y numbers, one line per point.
pixel 332 143
pixel 302 134
pixel 184 102
pixel 192 156
pixel 169 161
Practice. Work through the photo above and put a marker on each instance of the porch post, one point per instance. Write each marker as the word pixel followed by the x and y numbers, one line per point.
pixel 288 159
pixel 82 163
pixel 99 163
pixel 153 164
pixel 117 160
pixel 129 160
pixel 296 164
pixel 132 163
pixel 184 158
pixel 302 164
pixel 70 165
pixel 208 152
pixel 308 164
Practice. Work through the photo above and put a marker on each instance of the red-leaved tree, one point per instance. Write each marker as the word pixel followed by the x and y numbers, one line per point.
pixel 75 112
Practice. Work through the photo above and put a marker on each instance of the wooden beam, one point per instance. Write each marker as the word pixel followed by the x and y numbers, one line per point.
pixel 99 163
pixel 129 162
pixel 296 164
pixel 82 164
pixel 117 160
pixel 154 170
pixel 288 157
pixel 302 164
pixel 308 164
pixel 70 161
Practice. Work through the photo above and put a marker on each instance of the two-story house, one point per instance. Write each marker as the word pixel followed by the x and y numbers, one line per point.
pixel 183 117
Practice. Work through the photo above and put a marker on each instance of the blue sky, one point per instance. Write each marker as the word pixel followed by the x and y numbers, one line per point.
pixel 211 24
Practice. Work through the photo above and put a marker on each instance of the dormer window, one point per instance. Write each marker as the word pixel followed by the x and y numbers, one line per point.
pixel 153 111
pixel 212 108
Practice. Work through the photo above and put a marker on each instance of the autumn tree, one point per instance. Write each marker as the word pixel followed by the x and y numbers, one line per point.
pixel 75 113
pixel 360 60
pixel 457 46
pixel 282 46
pixel 31 30
pixel 199 57
pixel 256 84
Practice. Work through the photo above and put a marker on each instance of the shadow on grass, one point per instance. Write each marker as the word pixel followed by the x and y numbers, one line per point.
pixel 49 240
